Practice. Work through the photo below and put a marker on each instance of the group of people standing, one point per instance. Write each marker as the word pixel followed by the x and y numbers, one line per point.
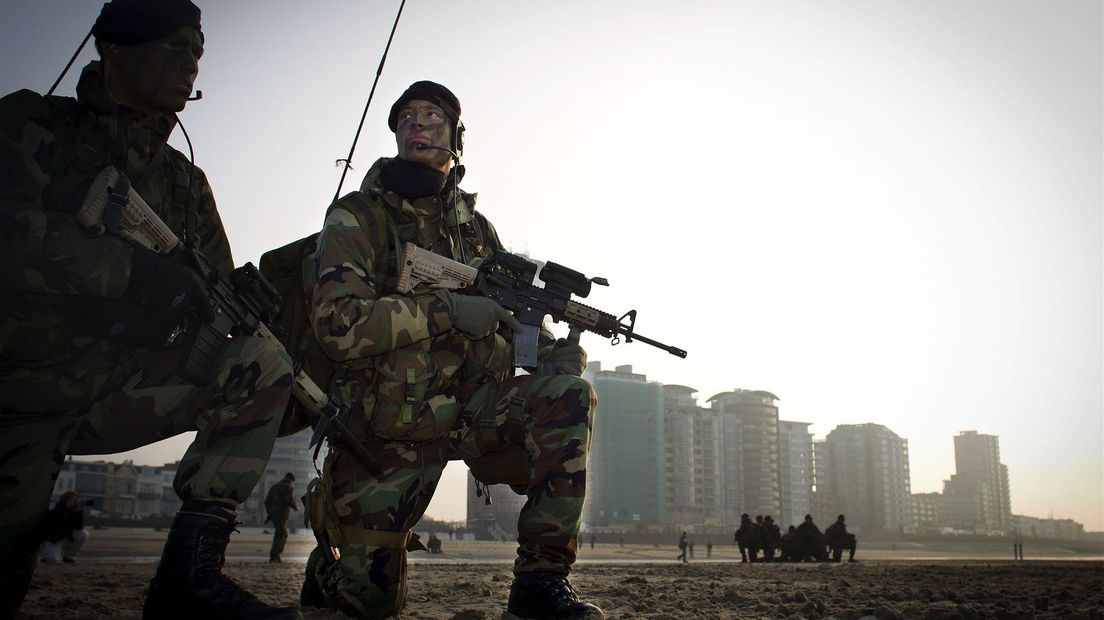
pixel 801 543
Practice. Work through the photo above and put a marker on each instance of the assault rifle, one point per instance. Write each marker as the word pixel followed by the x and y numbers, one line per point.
pixel 508 279
pixel 244 305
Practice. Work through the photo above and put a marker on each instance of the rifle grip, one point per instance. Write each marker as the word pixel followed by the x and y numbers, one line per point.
pixel 573 334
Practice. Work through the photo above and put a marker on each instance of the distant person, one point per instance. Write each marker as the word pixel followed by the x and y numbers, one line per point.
pixel 744 536
pixel 709 548
pixel 789 546
pixel 279 503
pixel 756 543
pixel 64 534
pixel 772 537
pixel 839 539
pixel 691 548
pixel 682 545
pixel 811 542
pixel 592 541
pixel 434 545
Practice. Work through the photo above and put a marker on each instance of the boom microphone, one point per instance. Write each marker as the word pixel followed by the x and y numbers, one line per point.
pixel 197 96
pixel 421 146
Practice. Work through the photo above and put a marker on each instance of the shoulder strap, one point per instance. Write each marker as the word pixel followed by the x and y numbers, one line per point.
pixel 363 208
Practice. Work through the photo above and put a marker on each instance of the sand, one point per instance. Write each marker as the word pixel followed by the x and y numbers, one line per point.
pixel 471 581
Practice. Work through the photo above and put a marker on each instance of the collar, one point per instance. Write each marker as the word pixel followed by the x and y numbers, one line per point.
pixel 134 136
pixel 465 207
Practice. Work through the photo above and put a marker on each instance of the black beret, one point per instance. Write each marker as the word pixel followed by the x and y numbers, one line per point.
pixel 289 476
pixel 426 91
pixel 133 22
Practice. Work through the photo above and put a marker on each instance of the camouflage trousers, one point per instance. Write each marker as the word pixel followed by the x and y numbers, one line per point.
pixel 532 432
pixel 236 417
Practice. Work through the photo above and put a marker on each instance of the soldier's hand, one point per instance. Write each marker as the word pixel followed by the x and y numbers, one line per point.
pixel 477 316
pixel 561 358
pixel 166 290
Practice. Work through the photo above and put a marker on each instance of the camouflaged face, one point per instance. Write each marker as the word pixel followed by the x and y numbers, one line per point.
pixel 50 150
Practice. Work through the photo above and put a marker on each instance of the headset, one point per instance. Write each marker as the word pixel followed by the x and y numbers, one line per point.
pixel 458 138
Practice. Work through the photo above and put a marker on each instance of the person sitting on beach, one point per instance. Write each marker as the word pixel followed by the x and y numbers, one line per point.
pixel 811 541
pixel 839 539
pixel 64 534
pixel 791 551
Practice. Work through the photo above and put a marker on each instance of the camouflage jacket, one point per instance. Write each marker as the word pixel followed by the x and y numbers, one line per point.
pixel 403 367
pixel 50 150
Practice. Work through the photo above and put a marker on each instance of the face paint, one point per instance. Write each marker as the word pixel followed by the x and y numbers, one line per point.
pixel 157 76
pixel 421 122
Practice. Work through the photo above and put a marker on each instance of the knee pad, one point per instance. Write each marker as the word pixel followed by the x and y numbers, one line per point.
pixel 367 582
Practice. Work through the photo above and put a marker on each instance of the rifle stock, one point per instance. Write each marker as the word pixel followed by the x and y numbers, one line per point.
pixel 242 305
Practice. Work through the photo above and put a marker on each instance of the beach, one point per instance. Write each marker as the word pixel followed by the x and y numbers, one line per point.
pixel 471 580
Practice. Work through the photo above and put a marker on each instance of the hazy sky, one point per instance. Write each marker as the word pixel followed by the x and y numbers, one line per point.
pixel 881 211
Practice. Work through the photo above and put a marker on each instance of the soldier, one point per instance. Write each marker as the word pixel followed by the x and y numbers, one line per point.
pixel 772 536
pixel 743 537
pixel 428 378
pixel 89 353
pixel 757 538
pixel 789 546
pixel 811 541
pixel 279 503
pixel 839 539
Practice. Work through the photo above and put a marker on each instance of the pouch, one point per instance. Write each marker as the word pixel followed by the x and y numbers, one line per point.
pixel 403 402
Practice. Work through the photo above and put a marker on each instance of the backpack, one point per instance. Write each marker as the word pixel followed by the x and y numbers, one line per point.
pixel 284 268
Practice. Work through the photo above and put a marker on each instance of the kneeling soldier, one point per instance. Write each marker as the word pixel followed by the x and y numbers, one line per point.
pixel 94 329
pixel 428 377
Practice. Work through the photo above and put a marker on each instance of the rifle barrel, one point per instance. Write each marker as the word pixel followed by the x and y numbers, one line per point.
pixel 659 345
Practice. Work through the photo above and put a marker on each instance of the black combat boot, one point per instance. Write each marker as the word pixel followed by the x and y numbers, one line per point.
pixel 547 596
pixel 189 582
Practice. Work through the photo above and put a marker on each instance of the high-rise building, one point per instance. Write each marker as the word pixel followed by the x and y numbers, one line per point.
pixel 495 519
pixel 625 470
pixel 977 493
pixel 693 478
pixel 926 512
pixel 750 459
pixel 290 455
pixel 867 476
pixel 795 448
pixel 820 504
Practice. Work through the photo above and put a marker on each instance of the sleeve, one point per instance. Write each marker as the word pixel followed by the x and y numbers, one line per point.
pixel 47 252
pixel 349 318
pixel 213 241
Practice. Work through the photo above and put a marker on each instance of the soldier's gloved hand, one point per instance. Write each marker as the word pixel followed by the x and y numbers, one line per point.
pixel 167 291
pixel 561 358
pixel 476 316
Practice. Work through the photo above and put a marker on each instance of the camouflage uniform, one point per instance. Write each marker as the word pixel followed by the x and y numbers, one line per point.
pixel 422 394
pixel 62 392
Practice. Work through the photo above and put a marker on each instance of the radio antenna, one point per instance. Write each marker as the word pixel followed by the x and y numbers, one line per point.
pixel 383 60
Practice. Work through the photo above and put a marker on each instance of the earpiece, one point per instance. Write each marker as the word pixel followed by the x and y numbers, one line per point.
pixel 458 141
